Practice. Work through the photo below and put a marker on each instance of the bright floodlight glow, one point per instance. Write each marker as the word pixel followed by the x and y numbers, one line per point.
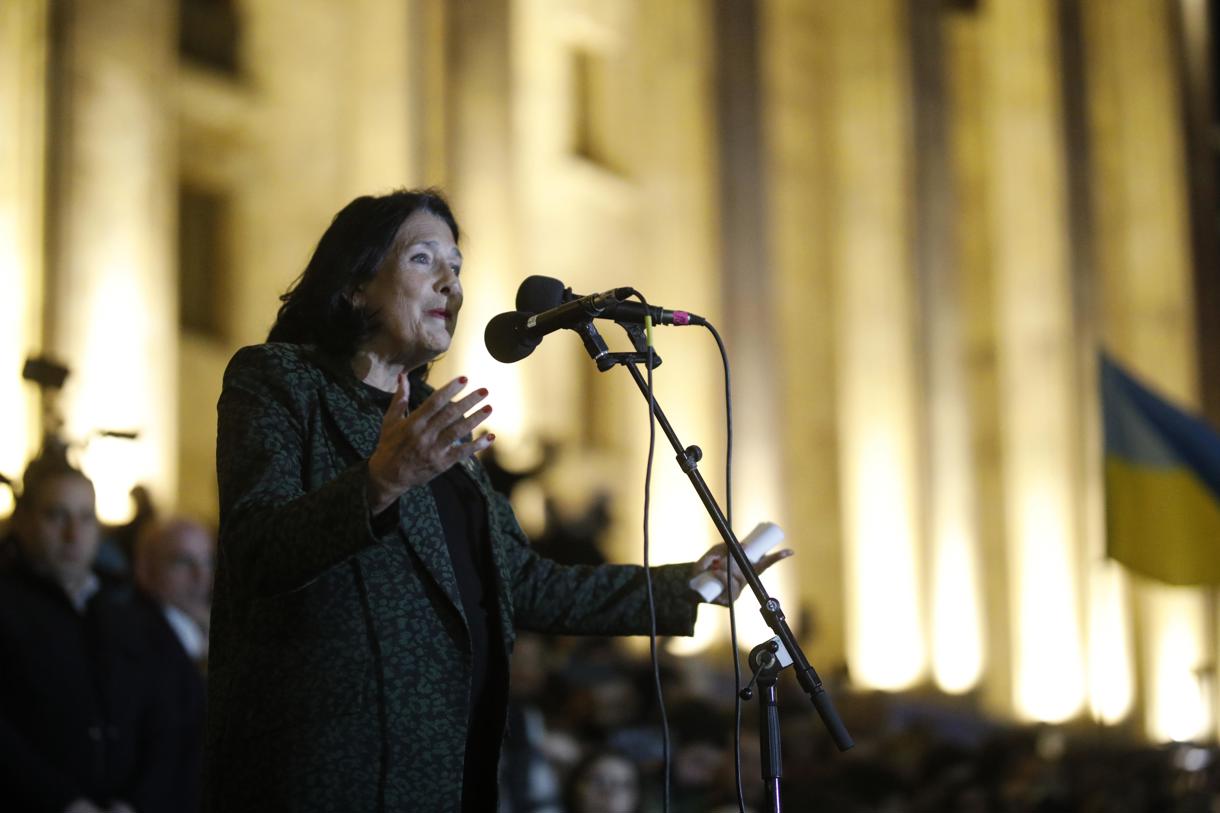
pixel 1178 707
pixel 114 391
pixel 114 467
pixel 22 91
pixel 1111 682
pixel 504 382
pixel 13 416
pixel 710 627
pixel 957 648
pixel 1049 665
pixel 678 534
pixel 758 501
pixel 886 637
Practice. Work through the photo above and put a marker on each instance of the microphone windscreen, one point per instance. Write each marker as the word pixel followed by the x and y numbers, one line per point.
pixel 537 294
pixel 505 337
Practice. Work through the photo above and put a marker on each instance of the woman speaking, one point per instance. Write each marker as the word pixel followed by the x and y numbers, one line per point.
pixel 370 582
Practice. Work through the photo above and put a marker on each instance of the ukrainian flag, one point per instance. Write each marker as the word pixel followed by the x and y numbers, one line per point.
pixel 1162 484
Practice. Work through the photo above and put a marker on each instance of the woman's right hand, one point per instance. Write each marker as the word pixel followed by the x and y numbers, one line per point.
pixel 418 445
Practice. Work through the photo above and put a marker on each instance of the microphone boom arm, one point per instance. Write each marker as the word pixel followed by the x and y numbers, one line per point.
pixel 770 608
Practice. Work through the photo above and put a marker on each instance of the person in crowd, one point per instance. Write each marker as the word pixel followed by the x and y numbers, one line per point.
pixel 174 560
pixel 369 581
pixel 702 757
pixel 117 555
pixel 87 714
pixel 529 781
pixel 606 781
pixel 172 564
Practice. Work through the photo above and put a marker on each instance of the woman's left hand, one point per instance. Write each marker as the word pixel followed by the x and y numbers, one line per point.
pixel 714 562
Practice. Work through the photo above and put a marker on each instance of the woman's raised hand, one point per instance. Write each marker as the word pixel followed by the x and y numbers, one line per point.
pixel 418 445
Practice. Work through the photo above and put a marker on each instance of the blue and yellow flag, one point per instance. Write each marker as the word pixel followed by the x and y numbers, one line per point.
pixel 1162 484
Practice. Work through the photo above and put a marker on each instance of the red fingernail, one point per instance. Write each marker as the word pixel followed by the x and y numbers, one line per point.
pixel 487 408
pixel 483 391
pixel 491 437
pixel 461 379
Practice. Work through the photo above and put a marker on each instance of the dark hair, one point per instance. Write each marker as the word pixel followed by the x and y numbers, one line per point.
pixel 51 463
pixel 317 308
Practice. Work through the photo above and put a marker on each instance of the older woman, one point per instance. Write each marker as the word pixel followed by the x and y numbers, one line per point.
pixel 369 581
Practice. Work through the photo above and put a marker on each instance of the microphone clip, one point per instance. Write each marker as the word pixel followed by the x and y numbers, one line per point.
pixel 595 346
pixel 639 340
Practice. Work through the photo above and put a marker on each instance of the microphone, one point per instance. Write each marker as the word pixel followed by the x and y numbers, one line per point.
pixel 544 305
pixel 538 293
pixel 513 335
pixel 508 339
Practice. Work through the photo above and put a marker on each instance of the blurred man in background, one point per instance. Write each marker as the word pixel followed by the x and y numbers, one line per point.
pixel 173 566
pixel 88 714
pixel 172 563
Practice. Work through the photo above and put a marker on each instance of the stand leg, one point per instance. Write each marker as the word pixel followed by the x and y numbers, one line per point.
pixel 766 667
pixel 768 739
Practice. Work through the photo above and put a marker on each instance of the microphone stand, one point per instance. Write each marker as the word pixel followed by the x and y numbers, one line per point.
pixel 767 660
pixel 765 663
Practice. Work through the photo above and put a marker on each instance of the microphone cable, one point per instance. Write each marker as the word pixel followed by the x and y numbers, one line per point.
pixel 652 611
pixel 728 571
pixel 652 607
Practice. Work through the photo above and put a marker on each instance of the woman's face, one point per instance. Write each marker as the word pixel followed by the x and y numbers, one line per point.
pixel 416 294
pixel 609 785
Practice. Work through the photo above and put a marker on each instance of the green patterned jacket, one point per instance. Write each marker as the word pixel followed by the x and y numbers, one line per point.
pixel 340 659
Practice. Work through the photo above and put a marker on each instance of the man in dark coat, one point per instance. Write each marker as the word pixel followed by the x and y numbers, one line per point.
pixel 172 564
pixel 87 716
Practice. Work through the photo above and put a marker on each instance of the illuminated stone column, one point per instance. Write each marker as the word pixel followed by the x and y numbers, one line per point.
pixel 875 344
pixel 953 584
pixel 111 305
pixel 670 249
pixel 753 289
pixel 963 48
pixel 795 63
pixel 1143 257
pixel 613 184
pixel 478 104
pixel 23 54
pixel 384 74
pixel 304 161
pixel 1036 355
pixel 557 217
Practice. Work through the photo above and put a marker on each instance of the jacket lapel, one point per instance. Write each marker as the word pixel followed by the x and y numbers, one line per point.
pixel 420 523
pixel 356 424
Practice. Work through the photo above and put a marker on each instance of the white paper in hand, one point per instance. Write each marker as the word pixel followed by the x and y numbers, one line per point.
pixel 764 537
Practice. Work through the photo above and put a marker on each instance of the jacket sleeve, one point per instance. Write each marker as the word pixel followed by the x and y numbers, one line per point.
pixel 587 600
pixel 274 536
